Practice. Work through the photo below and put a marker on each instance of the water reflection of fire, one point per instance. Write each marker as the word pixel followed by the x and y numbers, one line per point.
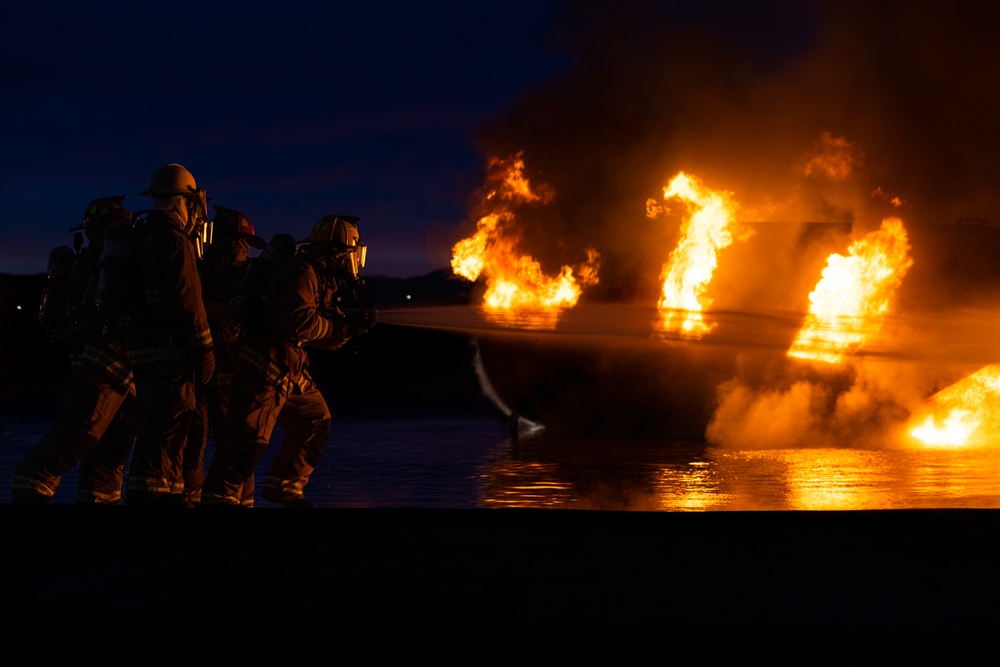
pixel 853 296
pixel 646 476
pixel 518 293
pixel 693 488
pixel 689 269
pixel 527 484
pixel 963 414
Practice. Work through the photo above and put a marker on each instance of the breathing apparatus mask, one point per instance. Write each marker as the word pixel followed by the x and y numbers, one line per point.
pixel 350 260
pixel 337 250
pixel 173 179
pixel 338 255
pixel 202 227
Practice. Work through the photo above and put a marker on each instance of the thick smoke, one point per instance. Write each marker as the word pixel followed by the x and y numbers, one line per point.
pixel 866 407
pixel 743 97
pixel 840 113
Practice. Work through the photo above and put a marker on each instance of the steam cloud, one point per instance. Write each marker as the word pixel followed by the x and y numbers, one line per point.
pixel 865 408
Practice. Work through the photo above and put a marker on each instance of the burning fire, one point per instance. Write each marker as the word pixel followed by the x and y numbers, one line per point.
pixel 836 160
pixel 689 269
pixel 517 292
pixel 962 414
pixel 852 298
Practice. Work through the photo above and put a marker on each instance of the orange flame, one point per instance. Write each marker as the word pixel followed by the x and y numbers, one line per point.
pixel 518 293
pixel 836 160
pixel 963 414
pixel 689 269
pixel 887 197
pixel 852 298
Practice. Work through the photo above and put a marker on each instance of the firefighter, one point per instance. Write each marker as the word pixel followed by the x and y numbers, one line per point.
pixel 98 416
pixel 224 264
pixel 169 341
pixel 273 385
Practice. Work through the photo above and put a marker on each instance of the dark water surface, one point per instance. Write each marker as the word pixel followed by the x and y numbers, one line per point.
pixel 458 461
pixel 409 462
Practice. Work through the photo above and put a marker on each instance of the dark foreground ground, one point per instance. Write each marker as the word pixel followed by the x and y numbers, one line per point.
pixel 546 576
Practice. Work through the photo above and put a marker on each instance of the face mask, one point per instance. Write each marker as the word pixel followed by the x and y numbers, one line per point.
pixel 355 260
pixel 198 206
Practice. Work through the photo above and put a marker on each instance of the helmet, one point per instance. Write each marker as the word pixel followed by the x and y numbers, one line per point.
pixel 171 179
pixel 232 223
pixel 102 212
pixel 340 232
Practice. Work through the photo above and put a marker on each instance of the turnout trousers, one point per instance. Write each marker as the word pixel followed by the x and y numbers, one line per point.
pixel 300 410
pixel 166 395
pixel 95 428
pixel 209 420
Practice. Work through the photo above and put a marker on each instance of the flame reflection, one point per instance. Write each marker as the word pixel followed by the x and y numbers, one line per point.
pixel 557 473
pixel 694 487
pixel 527 484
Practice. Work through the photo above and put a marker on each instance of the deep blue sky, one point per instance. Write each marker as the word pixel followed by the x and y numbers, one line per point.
pixel 389 110
pixel 288 111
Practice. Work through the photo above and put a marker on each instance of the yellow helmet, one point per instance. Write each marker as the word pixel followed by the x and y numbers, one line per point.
pixel 169 180
pixel 173 179
pixel 340 232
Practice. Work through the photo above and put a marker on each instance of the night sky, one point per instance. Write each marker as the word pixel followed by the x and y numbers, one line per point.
pixel 390 110
pixel 287 111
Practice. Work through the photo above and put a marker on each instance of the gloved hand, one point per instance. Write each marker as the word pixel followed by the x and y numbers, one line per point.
pixel 204 365
pixel 359 322
pixel 367 317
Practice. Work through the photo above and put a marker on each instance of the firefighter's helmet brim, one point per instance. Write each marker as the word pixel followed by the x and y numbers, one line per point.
pixel 254 241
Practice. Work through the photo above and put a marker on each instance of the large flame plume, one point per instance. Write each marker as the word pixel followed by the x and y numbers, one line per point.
pixel 852 298
pixel 517 290
pixel 966 413
pixel 689 269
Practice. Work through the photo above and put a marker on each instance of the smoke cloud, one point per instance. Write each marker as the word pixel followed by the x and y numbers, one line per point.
pixel 752 100
pixel 821 119
pixel 866 407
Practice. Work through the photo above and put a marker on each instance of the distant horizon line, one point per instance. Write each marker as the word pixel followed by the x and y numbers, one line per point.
pixel 380 276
